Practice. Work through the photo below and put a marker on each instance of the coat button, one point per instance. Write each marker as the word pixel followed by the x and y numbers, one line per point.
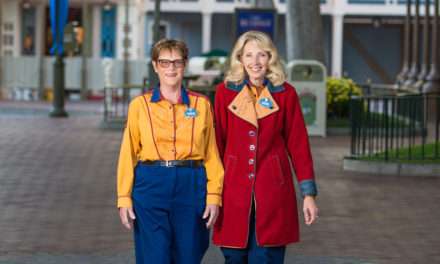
pixel 252 147
pixel 251 175
pixel 234 107
pixel 251 161
pixel 252 133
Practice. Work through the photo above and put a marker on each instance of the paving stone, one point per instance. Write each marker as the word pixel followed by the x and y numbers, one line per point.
pixel 57 199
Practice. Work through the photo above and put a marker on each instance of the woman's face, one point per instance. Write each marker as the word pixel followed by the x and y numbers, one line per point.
pixel 255 60
pixel 170 67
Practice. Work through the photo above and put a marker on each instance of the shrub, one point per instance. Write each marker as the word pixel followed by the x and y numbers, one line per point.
pixel 339 91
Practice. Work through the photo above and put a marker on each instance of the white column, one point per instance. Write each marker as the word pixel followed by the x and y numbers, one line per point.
pixel 337 44
pixel 141 35
pixel 16 16
pixel 141 7
pixel 206 31
pixel 39 28
pixel 96 37
pixel 137 33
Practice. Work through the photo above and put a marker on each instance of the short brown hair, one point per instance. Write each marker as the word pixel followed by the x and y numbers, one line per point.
pixel 169 44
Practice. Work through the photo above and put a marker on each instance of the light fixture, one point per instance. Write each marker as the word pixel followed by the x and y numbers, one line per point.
pixel 26 4
pixel 107 5
pixel 377 22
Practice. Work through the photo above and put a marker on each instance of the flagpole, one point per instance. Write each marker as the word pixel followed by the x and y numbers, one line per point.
pixel 58 69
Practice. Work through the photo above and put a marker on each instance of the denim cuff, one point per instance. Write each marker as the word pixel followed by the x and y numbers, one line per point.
pixel 308 187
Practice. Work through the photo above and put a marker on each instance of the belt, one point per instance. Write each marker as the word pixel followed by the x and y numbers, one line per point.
pixel 173 163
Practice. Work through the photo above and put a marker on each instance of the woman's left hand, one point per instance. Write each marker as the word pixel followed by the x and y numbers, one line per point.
pixel 310 210
pixel 211 210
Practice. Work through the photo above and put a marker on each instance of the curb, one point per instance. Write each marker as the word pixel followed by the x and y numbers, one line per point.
pixel 391 168
pixel 338 131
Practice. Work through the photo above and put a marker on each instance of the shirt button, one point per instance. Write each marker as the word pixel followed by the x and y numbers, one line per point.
pixel 251 175
pixel 251 161
pixel 252 133
pixel 252 147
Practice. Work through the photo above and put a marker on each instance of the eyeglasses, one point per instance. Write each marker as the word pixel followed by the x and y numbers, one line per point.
pixel 166 63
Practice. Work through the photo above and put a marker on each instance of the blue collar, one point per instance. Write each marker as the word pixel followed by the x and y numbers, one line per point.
pixel 238 86
pixel 156 97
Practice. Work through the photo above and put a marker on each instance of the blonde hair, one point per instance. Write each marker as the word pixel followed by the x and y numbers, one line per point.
pixel 275 72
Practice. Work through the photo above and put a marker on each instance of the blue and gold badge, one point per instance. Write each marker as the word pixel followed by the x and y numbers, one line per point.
pixel 190 112
pixel 266 102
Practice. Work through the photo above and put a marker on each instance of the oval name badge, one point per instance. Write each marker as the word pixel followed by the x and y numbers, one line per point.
pixel 266 102
pixel 190 112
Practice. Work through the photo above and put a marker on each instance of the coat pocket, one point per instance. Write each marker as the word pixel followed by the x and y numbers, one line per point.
pixel 278 169
pixel 230 163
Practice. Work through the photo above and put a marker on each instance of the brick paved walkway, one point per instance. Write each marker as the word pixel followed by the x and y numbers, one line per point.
pixel 57 193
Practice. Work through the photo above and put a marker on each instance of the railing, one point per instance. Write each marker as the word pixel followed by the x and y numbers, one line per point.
pixel 116 101
pixel 402 128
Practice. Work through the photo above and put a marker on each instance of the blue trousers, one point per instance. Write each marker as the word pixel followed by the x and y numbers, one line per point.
pixel 169 203
pixel 254 254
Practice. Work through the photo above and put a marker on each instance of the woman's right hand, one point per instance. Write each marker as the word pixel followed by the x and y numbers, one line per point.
pixel 127 216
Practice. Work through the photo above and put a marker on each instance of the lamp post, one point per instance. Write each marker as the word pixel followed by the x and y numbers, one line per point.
pixel 156 35
pixel 85 50
pixel 59 85
pixel 127 27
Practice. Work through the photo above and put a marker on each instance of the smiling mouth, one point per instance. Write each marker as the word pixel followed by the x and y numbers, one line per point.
pixel 255 69
pixel 170 74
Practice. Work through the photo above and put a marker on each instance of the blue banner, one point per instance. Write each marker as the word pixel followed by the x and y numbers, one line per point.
pixel 59 11
pixel 255 19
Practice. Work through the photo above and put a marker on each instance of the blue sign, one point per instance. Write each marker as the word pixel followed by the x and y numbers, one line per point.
pixel 255 19
pixel 59 11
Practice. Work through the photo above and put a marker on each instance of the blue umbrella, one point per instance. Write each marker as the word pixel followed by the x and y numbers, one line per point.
pixel 59 11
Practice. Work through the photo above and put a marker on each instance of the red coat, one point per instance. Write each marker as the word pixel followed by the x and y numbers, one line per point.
pixel 255 145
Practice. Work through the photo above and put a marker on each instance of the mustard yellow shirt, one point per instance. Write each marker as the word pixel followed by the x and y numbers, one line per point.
pixel 159 130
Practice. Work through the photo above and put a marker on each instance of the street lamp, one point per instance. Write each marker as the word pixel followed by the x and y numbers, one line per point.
pixel 59 16
pixel 26 4
pixel 107 6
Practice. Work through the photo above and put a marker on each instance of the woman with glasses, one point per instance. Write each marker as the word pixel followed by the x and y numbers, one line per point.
pixel 260 129
pixel 170 175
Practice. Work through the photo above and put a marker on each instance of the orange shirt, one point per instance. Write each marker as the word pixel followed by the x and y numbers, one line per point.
pixel 159 130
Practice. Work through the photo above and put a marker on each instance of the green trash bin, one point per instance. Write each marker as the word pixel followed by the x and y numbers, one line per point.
pixel 309 79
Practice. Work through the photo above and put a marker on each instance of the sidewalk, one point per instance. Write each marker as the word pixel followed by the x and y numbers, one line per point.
pixel 57 194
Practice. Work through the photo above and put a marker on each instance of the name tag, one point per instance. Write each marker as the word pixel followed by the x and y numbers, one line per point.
pixel 190 113
pixel 266 102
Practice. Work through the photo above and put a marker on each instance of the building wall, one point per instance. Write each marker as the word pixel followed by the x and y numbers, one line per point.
pixel 187 27
pixel 222 36
pixel 383 45
pixel 11 28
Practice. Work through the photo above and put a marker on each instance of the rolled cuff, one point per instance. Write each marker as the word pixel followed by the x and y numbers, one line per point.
pixel 308 187
pixel 125 202
pixel 213 198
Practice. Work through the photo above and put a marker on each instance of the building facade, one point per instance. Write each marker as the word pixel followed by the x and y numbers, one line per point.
pixel 363 38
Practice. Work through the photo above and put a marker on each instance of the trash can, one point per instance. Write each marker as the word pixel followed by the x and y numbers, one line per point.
pixel 309 79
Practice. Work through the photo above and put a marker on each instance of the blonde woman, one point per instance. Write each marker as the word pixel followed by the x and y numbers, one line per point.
pixel 259 127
